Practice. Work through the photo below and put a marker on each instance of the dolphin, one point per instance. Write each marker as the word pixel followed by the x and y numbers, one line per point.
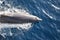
pixel 17 18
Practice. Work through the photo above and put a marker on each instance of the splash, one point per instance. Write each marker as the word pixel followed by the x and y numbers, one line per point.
pixel 24 26
pixel 14 10
pixel 5 10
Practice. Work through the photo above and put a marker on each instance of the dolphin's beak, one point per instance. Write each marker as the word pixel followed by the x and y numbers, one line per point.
pixel 39 19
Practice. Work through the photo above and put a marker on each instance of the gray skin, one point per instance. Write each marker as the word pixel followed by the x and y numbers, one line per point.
pixel 18 19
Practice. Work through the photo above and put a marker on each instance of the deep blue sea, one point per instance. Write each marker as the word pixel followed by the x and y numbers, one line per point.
pixel 47 29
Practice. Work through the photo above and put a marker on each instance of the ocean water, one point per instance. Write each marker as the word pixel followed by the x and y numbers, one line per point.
pixel 47 29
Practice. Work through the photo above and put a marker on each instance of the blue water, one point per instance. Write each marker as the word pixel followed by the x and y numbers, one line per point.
pixel 47 29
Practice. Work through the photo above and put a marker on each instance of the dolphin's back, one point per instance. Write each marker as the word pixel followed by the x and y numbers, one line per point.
pixel 9 19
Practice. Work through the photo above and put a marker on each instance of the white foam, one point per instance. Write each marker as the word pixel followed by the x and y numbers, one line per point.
pixel 1 1
pixel 23 26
